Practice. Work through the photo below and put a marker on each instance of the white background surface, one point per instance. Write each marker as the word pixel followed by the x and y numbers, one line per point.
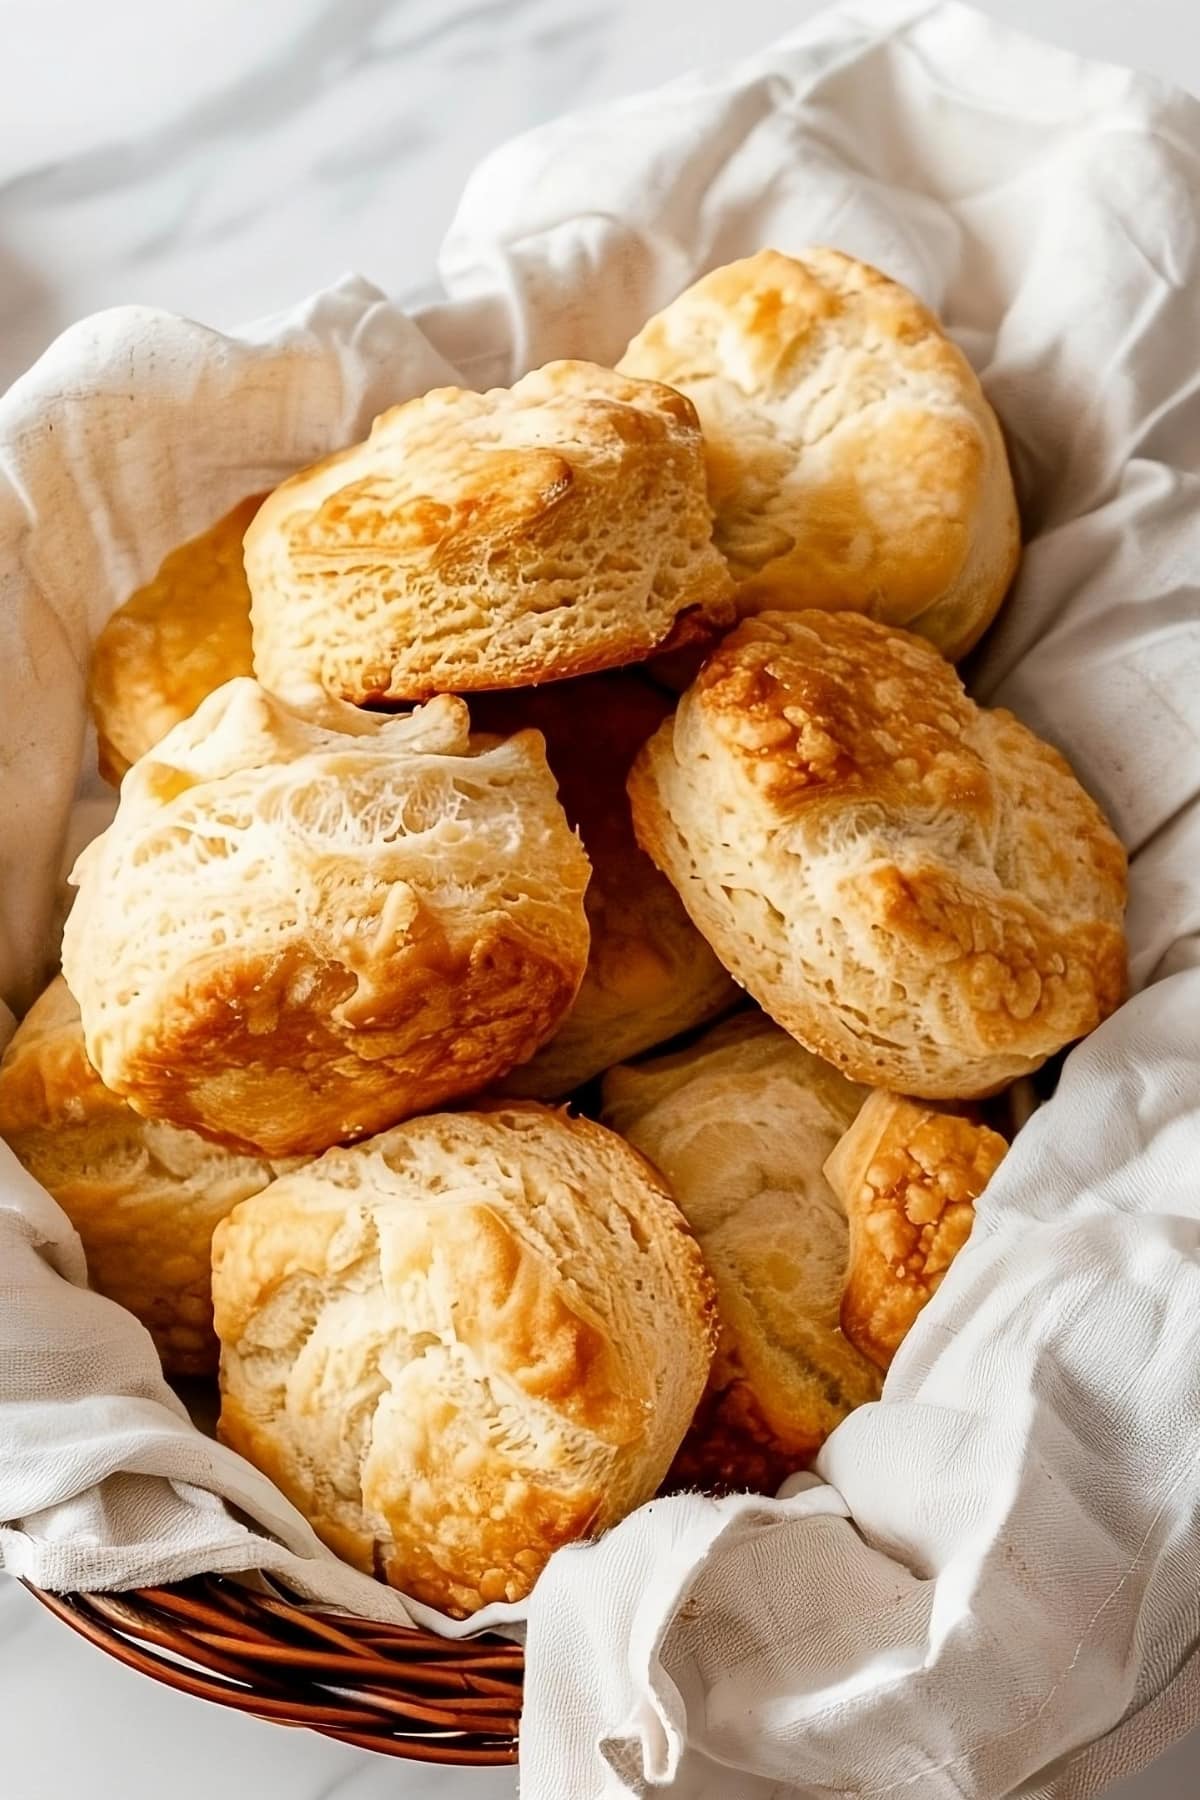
pixel 222 158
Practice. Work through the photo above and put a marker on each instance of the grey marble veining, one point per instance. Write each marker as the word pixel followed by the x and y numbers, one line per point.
pixel 222 158
pixel 338 139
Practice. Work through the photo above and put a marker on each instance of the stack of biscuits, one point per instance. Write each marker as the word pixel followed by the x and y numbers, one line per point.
pixel 528 1020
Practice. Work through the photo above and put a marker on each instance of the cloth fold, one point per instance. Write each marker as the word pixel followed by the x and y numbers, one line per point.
pixel 988 1584
pixel 1024 1573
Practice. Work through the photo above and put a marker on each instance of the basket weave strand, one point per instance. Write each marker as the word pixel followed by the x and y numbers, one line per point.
pixel 391 1688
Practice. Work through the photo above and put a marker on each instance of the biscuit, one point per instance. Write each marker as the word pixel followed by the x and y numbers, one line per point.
pixel 172 642
pixel 650 975
pixel 917 888
pixel 853 460
pixel 490 541
pixel 305 924
pixel 740 1124
pixel 463 1343
pixel 143 1196
pixel 908 1178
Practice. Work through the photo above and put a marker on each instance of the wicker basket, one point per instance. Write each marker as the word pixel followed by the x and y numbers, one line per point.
pixel 391 1688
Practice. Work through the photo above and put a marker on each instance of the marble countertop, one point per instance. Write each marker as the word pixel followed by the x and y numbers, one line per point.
pixel 222 159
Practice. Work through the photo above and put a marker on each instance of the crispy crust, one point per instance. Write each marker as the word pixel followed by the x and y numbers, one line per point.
pixel 304 924
pixel 265 1074
pixel 853 461
pixel 498 540
pixel 462 1344
pixel 771 1232
pixel 45 1076
pixel 172 642
pixel 144 1197
pixel 908 1178
pixel 914 887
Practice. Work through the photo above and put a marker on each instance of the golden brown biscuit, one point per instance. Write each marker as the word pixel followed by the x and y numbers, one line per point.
pixel 650 975
pixel 916 888
pixel 740 1124
pixel 143 1196
pixel 304 924
pixel 908 1177
pixel 462 1344
pixel 490 541
pixel 853 460
pixel 179 637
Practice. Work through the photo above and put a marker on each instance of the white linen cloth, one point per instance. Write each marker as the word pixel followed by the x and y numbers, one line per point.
pixel 989 1586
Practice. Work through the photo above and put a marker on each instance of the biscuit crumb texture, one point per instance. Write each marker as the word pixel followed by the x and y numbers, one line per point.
pixel 143 1196
pixel 493 540
pixel 462 1344
pixel 853 459
pixel 917 888
pixel 740 1123
pixel 306 923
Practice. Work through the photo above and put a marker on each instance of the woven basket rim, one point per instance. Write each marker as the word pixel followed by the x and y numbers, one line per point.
pixel 395 1689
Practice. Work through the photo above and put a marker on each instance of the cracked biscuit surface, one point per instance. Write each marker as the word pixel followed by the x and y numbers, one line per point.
pixel 463 1343
pixel 306 923
pixel 740 1123
pixel 908 1177
pixel 853 459
pixel 917 888
pixel 494 540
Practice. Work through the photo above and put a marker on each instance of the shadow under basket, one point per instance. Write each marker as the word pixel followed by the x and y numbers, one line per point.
pixel 391 1688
